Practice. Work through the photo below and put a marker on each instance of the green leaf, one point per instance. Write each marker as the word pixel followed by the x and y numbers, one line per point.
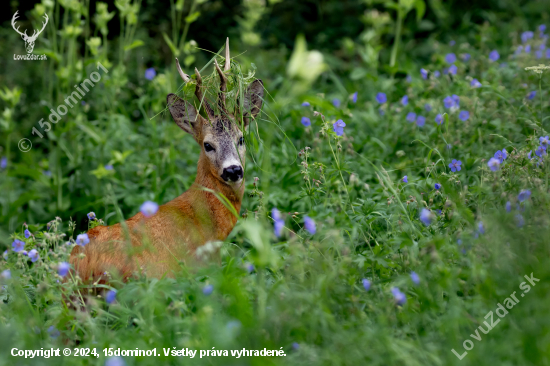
pixel 192 17
pixel 134 44
pixel 173 48
pixel 420 9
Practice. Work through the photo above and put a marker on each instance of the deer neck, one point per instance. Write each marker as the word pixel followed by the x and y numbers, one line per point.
pixel 223 219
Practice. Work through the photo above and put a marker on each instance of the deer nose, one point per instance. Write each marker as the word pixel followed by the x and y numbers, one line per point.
pixel 232 173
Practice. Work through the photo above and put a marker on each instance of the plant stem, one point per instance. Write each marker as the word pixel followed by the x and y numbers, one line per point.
pixel 397 38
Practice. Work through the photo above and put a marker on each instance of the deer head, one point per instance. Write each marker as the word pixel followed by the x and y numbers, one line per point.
pixel 219 135
pixel 29 41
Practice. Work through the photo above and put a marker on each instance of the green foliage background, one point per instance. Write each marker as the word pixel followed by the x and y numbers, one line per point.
pixel 306 291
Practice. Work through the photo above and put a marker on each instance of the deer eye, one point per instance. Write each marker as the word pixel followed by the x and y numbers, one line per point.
pixel 241 140
pixel 208 147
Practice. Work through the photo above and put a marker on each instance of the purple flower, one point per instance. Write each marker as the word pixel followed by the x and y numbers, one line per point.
pixel 150 73
pixel 501 155
pixel 426 216
pixel 538 54
pixel 110 297
pixel 415 278
pixel 381 98
pixel 5 254
pixel 519 50
pixel 27 233
pixel 453 69
pixel 6 274
pixel 63 268
pixel 524 195
pixel 455 165
pixel 437 186
pixel 354 97
pixel 108 167
pixel 82 239
pixel 452 43
pixel 91 216
pixel 115 361
pixel 439 119
pixel 437 74
pixel 420 121
pixel 450 58
pixel 480 228
pixel 338 127
pixel 249 267
pixel 381 111
pixel 336 102
pixel 494 164
pixel 532 95
pixel 456 100
pixel 466 57
pixel 3 163
pixel 309 224
pixel 525 36
pixel 494 56
pixel 208 289
pixel 427 107
pixel 547 53
pixel 405 100
pixel 542 28
pixel 47 173
pixel 544 140
pixel 306 121
pixel 53 332
pixel 366 284
pixel 464 115
pixel 529 155
pixel 424 73
pixel 508 206
pixel 149 208
pixel 405 179
pixel 305 104
pixel 411 116
pixel 17 245
pixel 475 83
pixel 33 255
pixel 279 223
pixel 399 297
pixel 540 151
pixel 528 48
pixel 520 221
pixel 448 102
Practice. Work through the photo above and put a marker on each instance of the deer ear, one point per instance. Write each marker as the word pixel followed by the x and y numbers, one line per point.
pixel 183 113
pixel 253 100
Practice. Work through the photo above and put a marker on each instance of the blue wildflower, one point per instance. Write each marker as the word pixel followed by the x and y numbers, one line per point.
pixel 305 104
pixel 456 100
pixel 149 208
pixel 110 297
pixel 450 58
pixel 439 119
pixel 508 206
pixel 33 255
pixel 354 97
pixel 115 361
pixel 424 73
pixel 475 83
pixel 63 268
pixel 437 186
pixel 47 173
pixel 405 179
pixel 3 163
pixel 381 111
pixel 540 151
pixel 366 284
pixel 415 278
pixel 82 239
pixel 501 155
pixel 494 56
pixel 532 95
pixel 411 116
pixel 108 167
pixel 527 35
pixel 399 297
pixel 481 228
pixel 150 73
pixel 544 140
pixel 528 48
pixel 524 195
pixel 453 69
pixel 542 28
pixel 455 165
pixel 452 43
pixel 338 127
pixel 426 216
pixel 306 121
pixel 547 53
pixel 519 50
pixel 295 346
pixel 208 289
pixel 91 216
pixel 6 274
pixel 466 57
pixel 538 54
pixel 520 221
pixel 279 223
pixel 249 267
pixel 405 100
pixel 381 98
pixel 420 121
pixel 437 74
pixel 427 107
pixel 53 332
pixel 27 233
pixel 464 115
pixel 494 164
pixel 448 102
pixel 336 102
pixel 309 225
pixel 17 245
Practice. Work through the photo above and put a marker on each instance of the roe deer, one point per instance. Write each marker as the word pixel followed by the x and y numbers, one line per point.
pixel 179 227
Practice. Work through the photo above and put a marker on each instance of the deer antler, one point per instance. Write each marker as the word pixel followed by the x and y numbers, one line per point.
pixel 200 96
pixel 35 34
pixel 223 78
pixel 13 25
